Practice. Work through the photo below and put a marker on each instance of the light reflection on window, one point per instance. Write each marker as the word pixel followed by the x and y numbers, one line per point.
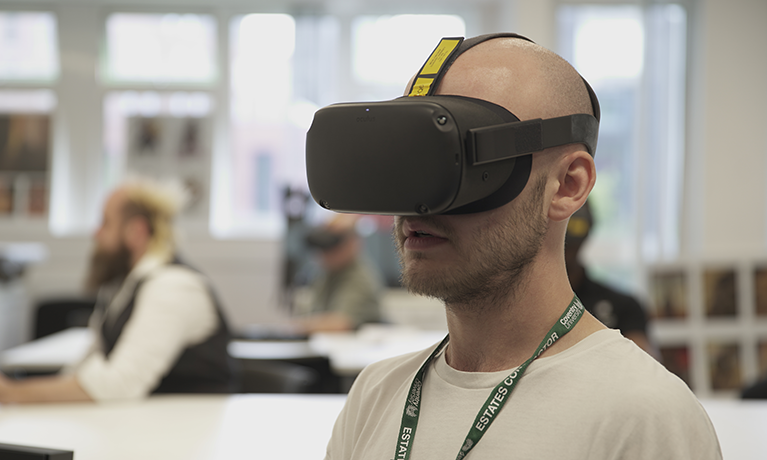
pixel 160 48
pixel 262 52
pixel 609 46
pixel 388 50
pixel 27 101
pixel 278 69
pixel 28 46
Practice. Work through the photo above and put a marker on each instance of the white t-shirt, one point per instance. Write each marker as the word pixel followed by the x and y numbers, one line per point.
pixel 603 398
pixel 173 310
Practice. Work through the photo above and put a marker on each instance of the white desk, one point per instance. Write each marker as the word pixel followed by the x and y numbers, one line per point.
pixel 49 353
pixel 740 426
pixel 189 427
pixel 256 426
pixel 348 352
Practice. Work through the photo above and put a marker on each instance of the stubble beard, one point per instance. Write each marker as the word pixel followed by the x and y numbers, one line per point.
pixel 107 266
pixel 494 263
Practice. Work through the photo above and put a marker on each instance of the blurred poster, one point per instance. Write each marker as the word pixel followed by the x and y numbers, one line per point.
pixel 38 198
pixel 724 366
pixel 760 290
pixel 762 354
pixel 24 142
pixel 677 361
pixel 6 197
pixel 720 294
pixel 146 137
pixel 173 147
pixel 669 294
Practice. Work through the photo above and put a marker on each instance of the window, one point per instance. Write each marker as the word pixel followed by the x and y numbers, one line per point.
pixel 28 47
pixel 164 134
pixel 388 50
pixel 160 48
pixel 29 65
pixel 274 91
pixel 639 76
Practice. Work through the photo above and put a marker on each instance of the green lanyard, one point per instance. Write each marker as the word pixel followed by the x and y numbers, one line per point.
pixel 494 402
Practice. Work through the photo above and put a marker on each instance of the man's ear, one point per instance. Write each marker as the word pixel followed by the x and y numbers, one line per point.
pixel 576 175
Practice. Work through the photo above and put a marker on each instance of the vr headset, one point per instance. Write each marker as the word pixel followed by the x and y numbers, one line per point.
pixel 424 154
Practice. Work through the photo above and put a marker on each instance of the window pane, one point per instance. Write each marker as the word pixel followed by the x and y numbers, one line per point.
pixel 28 46
pixel 664 145
pixel 614 69
pixel 275 90
pixel 639 76
pixel 160 48
pixel 27 101
pixel 164 135
pixel 388 50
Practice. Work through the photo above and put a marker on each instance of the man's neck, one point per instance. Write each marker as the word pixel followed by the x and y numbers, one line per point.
pixel 505 333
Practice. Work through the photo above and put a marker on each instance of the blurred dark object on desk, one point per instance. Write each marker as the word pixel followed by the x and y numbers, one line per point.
pixel 10 270
pixel 756 390
pixel 271 332
pixel 283 366
pixel 57 314
pixel 275 376
pixel 15 452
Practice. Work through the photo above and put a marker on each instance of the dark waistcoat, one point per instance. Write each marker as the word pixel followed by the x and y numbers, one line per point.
pixel 202 368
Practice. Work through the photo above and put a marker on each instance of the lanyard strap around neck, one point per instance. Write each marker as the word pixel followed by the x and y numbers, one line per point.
pixel 494 403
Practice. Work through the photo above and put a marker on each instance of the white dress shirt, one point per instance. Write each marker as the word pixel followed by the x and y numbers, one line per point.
pixel 173 310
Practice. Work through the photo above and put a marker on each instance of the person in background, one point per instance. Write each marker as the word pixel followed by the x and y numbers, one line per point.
pixel 614 309
pixel 348 291
pixel 158 325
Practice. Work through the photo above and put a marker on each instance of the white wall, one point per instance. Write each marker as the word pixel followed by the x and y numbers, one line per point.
pixel 730 137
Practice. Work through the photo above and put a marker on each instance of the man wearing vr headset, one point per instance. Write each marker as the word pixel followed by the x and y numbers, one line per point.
pixel 500 385
pixel 347 294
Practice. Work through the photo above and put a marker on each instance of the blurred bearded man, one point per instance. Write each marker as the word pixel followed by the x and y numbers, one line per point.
pixel 157 323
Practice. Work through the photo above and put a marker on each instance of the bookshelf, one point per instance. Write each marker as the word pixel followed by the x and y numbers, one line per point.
pixel 709 319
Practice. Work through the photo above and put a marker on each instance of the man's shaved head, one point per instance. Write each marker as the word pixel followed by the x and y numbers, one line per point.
pixel 527 79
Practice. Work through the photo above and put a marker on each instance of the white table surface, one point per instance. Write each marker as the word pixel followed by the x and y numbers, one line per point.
pixel 741 427
pixel 188 427
pixel 49 353
pixel 204 427
pixel 217 422
pixel 348 352
pixel 213 427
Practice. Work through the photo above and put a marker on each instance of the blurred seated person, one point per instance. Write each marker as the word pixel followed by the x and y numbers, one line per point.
pixel 614 309
pixel 348 291
pixel 157 323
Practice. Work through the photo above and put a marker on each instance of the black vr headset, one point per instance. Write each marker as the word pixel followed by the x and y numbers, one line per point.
pixel 424 154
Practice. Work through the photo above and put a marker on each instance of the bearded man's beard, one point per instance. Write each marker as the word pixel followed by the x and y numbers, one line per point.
pixel 495 259
pixel 107 266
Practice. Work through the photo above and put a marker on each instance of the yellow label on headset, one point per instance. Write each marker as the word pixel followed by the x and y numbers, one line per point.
pixel 439 55
pixel 433 66
pixel 421 86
